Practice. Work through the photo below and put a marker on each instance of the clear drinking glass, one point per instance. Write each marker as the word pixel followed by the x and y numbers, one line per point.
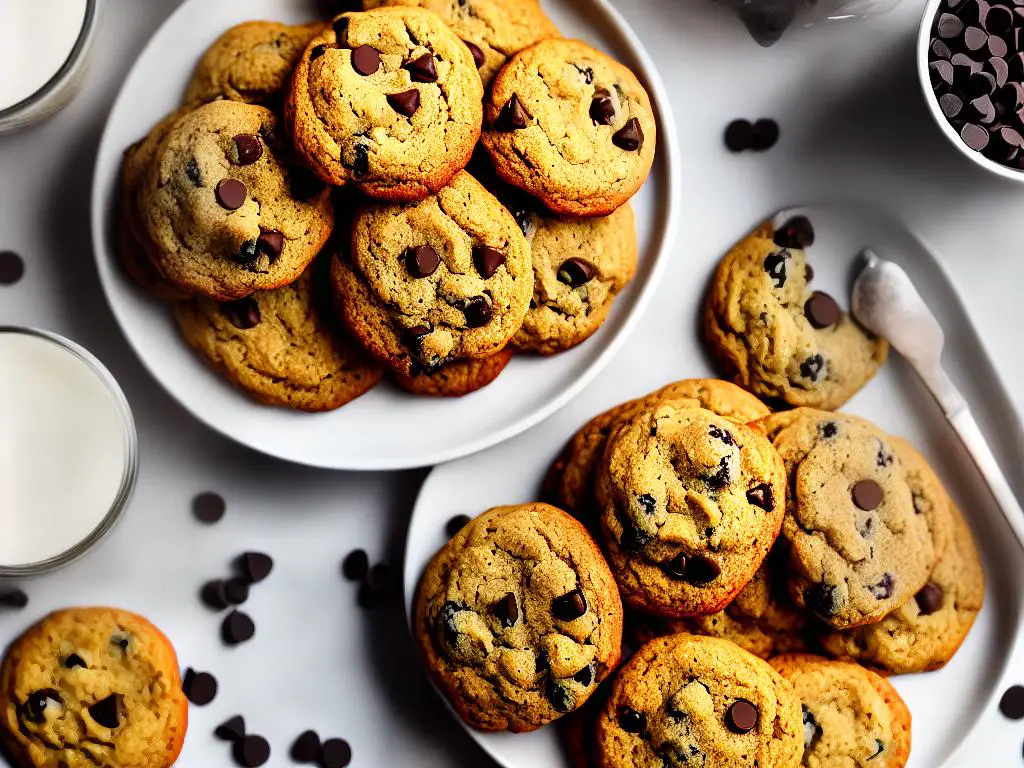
pixel 768 20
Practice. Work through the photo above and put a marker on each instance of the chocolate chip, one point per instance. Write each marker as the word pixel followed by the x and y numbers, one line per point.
pixel 633 539
pixel 676 567
pixel 738 135
pixel 765 134
pixel 929 599
pixel 251 751
pixel 243 314
pixel 512 116
pixel 335 753
pixel 883 589
pixel 1012 703
pixel 193 172
pixel 317 52
pixel 812 367
pixel 306 748
pixel 423 69
pixel 478 311
pixel 721 434
pixel 236 590
pixel 237 628
pixel 487 260
pixel 107 712
pixel 775 266
pixel 741 717
pixel 648 503
pixel 701 571
pixel 951 105
pixel 941 50
pixel 248 149
pixel 365 60
pixel 231 194
pixel 997 47
pixel 808 273
pixel 821 310
pixel 867 494
pixel 632 721
pixel 879 749
pixel 575 272
pixel 355 565
pixel 247 252
pixel 602 108
pixel 506 610
pixel 585 676
pixel 255 566
pixel 979 84
pixel 208 507
pixel 998 20
pixel 456 524
pixel 949 26
pixel 761 496
pixel 199 687
pixel 214 596
pixel 974 136
pixel 361 162
pixel 405 103
pixel 629 137
pixel 829 429
pixel 795 233
pixel 478 54
pixel 569 606
pixel 12 268
pixel 823 599
pixel 940 74
pixel 13 598
pixel 122 640
pixel 74 660
pixel 975 38
pixel 812 731
pixel 231 729
pixel 413 337
pixel 38 702
pixel 562 699
pixel 721 476
pixel 270 242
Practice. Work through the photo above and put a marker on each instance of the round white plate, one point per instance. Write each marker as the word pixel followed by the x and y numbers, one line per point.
pixel 387 428
pixel 946 705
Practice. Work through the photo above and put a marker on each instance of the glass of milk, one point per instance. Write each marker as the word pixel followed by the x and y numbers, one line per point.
pixel 68 451
pixel 44 45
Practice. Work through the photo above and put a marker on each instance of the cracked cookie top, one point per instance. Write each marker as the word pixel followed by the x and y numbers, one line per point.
pixel 571 126
pixel 429 283
pixel 93 686
pixel 518 618
pixel 494 29
pixel 698 702
pixel 690 503
pixel 859 538
pixel 390 100
pixel 774 336
pixel 224 211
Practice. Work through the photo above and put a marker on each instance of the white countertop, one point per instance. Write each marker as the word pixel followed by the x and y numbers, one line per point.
pixel 853 126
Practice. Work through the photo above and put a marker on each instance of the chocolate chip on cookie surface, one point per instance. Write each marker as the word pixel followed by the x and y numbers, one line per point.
pixel 457 379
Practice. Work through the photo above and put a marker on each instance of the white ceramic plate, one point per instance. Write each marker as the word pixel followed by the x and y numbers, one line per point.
pixel 386 429
pixel 946 705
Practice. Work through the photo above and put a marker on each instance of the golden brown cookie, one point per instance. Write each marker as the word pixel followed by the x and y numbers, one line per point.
pixel 457 379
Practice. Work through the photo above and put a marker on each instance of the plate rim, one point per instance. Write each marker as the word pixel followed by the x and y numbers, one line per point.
pixel 104 189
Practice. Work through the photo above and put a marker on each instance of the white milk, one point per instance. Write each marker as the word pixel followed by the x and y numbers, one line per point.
pixel 63 448
pixel 36 39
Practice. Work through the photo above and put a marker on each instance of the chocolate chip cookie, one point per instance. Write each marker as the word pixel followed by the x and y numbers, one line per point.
pixel 858 547
pixel 92 686
pixel 685 700
pixel 571 126
pixel 431 283
pixel 389 100
pixel 251 62
pixel 224 210
pixel 773 335
pixel 851 715
pixel 457 379
pixel 518 619
pixel 494 30
pixel 690 503
pixel 279 348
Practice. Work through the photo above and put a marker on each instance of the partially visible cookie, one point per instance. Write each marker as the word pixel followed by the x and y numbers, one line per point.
pixel 389 100
pixel 92 686
pixel 224 210
pixel 851 716
pixel 250 62
pixel 690 503
pixel 277 346
pixel 685 700
pixel 774 336
pixel 571 126
pixel 457 379
pixel 517 618
pixel 432 283
pixel 493 29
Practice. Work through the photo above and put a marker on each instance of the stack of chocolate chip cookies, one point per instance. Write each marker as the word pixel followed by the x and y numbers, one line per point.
pixel 354 138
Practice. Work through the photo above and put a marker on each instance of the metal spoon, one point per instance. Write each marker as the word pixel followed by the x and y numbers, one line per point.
pixel 886 303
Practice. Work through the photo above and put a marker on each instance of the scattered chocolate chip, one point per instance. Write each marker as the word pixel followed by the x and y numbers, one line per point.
pixel 107 712
pixel 949 26
pixel 561 698
pixel 879 749
pixel 231 194
pixel 929 599
pixel 317 52
pixel 423 69
pixel 741 717
pixel 941 50
pixel 812 367
pixel 569 606
pixel 11 268
pixel 761 496
pixel 236 590
pixel 255 566
pixel 243 314
pixel 248 149
pixel 270 242
pixel 765 134
pixel 998 20
pixel 632 721
pixel 867 494
pixel 676 567
pixel 478 54
pixel 487 260
pixel 74 660
pixel 506 610
pixel 721 434
pixel 193 172
pixel 231 729
pixel 247 252
pixel 1012 703
pixel 701 570
pixel 602 108
pixel 478 312
pixel 775 266
pixel 38 702
pixel 335 753
pixel 585 676
pixel 974 136
pixel 829 429
pixel 355 565
pixel 456 524
pixel 883 589
pixel 306 748
pixel 361 161
pixel 738 135
pixel 378 587
pixel 941 74
pixel 795 233
pixel 237 628
pixel 512 116
pixel 721 476
pixel 823 599
pixel 251 751
pixel 365 60
pixel 821 310
pixel 629 137
pixel 413 337
pixel 208 507
pixel 405 103
pixel 214 595
pixel 951 105
pixel 808 273
pixel 575 272
pixel 13 598
pixel 812 731
pixel 122 640
pixel 200 688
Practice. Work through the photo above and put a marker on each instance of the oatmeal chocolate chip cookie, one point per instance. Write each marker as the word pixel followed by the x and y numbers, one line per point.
pixel 251 63
pixel 851 715
pixel 430 283
pixel 389 100
pixel 690 503
pixel 572 476
pixel 277 346
pixel 858 548
pixel 571 126
pixel 494 30
pixel 457 379
pixel 580 266
pixel 518 618
pixel 92 686
pixel 687 701
pixel 774 336
pixel 224 212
